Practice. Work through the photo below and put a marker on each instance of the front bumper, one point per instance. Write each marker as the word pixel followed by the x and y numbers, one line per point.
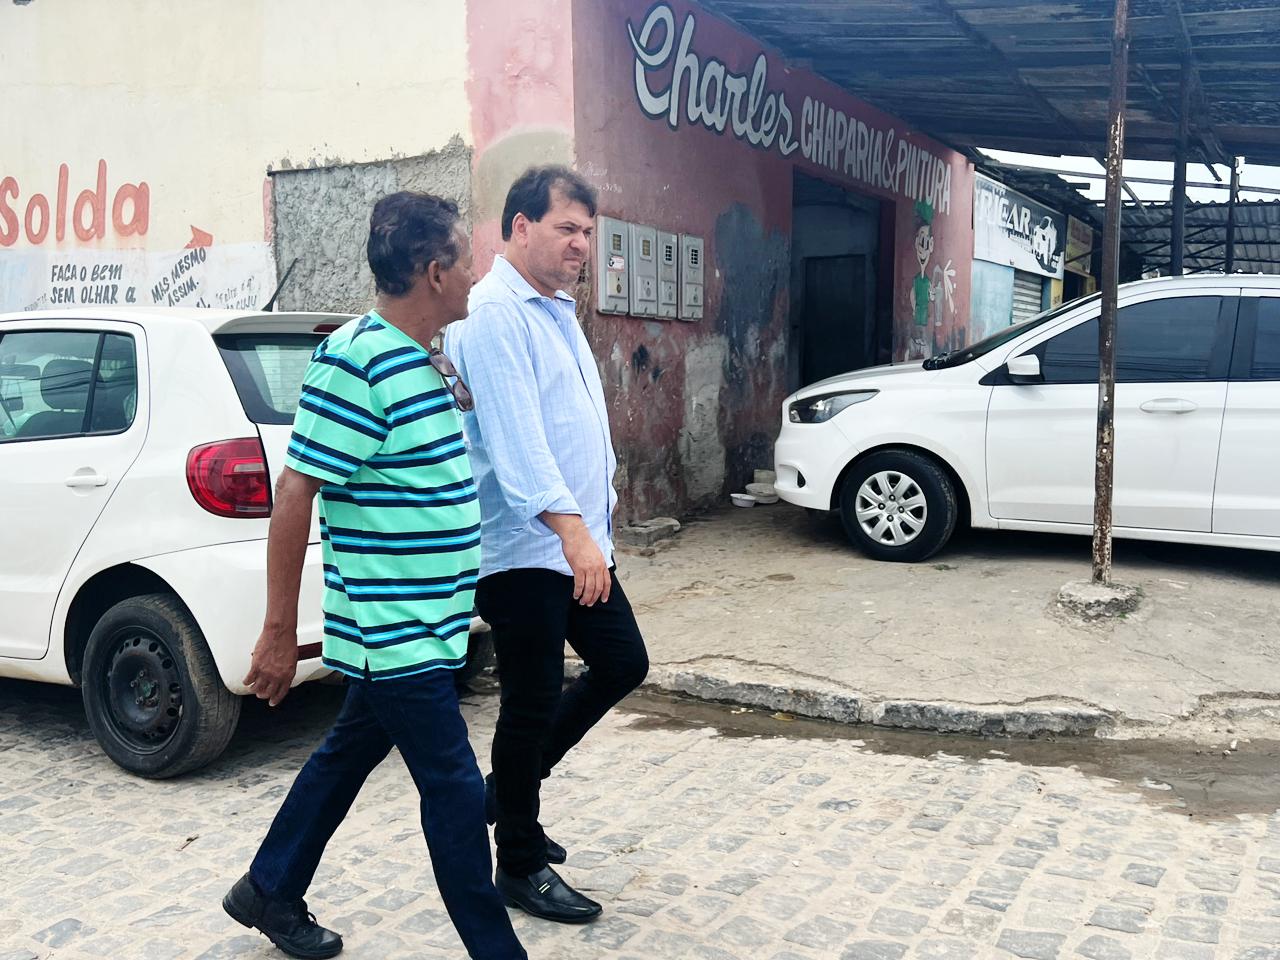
pixel 808 460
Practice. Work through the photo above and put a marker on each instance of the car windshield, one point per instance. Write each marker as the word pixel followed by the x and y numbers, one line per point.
pixel 956 357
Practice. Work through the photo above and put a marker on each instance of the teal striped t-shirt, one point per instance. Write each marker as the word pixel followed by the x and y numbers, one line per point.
pixel 399 518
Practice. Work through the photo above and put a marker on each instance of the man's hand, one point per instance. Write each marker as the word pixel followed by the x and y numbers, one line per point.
pixel 591 578
pixel 275 656
pixel 275 661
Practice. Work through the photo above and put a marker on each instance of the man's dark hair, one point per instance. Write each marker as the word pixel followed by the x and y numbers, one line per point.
pixel 531 194
pixel 407 231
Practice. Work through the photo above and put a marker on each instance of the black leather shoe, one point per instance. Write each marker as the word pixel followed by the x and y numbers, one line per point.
pixel 545 895
pixel 288 925
pixel 555 852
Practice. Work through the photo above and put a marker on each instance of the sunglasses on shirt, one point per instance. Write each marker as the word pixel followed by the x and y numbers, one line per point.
pixel 444 366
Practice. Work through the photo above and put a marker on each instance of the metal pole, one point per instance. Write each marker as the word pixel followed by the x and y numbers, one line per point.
pixel 1231 215
pixel 1177 237
pixel 1105 464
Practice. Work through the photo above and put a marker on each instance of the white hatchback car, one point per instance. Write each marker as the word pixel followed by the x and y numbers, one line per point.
pixel 137 455
pixel 1002 434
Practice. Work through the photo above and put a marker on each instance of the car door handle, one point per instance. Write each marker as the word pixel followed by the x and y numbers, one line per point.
pixel 86 480
pixel 1168 405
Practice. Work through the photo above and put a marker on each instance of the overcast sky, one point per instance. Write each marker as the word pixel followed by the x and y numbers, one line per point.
pixel 1250 175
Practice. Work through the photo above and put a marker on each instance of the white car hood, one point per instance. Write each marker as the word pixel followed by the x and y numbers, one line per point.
pixel 868 379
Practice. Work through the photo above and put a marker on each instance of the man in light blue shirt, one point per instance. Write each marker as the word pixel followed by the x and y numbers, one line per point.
pixel 543 461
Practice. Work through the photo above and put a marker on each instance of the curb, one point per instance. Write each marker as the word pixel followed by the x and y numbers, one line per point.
pixel 843 706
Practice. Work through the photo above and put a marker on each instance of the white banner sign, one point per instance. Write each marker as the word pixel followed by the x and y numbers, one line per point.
pixel 1012 229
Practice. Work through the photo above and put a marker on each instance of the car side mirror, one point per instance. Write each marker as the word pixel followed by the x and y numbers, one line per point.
pixel 1024 369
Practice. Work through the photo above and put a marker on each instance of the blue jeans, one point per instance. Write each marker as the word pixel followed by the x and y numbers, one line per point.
pixel 420 716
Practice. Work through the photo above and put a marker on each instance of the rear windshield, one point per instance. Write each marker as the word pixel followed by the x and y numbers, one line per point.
pixel 267 369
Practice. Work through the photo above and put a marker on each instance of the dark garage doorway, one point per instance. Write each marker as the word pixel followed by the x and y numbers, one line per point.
pixel 839 320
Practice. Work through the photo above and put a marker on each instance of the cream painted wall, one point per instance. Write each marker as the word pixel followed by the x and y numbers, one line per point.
pixel 198 99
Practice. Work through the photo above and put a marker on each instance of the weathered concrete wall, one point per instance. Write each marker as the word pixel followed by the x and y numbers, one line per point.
pixel 686 123
pixel 322 221
pixel 169 148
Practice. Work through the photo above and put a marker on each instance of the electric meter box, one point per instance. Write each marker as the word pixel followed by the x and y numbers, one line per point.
pixel 613 259
pixel 668 275
pixel 644 271
pixel 691 277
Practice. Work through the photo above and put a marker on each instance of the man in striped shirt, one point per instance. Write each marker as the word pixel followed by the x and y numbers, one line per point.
pixel 377 434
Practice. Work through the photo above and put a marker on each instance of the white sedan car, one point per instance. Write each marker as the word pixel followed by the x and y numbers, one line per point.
pixel 1001 434
pixel 138 451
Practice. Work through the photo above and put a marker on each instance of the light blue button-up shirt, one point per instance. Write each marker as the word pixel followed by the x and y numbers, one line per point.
pixel 538 437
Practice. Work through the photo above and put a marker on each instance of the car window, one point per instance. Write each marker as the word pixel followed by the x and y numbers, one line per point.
pixel 1174 339
pixel 267 369
pixel 49 388
pixel 115 389
pixel 1266 341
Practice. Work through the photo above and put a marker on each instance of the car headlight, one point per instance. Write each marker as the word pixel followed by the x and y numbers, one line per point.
pixel 823 408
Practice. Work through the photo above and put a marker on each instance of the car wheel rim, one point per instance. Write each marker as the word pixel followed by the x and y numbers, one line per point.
pixel 891 508
pixel 143 690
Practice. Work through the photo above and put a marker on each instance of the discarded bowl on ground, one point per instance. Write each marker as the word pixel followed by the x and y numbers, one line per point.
pixel 742 499
pixel 763 492
pixel 765 476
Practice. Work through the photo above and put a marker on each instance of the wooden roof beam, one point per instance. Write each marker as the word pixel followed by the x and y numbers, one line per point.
pixel 1172 113
pixel 976 37
pixel 1200 119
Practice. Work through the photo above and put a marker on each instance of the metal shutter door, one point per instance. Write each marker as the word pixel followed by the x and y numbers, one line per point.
pixel 1027 288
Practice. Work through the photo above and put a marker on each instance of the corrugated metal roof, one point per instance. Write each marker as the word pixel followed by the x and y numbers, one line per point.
pixel 1146 231
pixel 1033 75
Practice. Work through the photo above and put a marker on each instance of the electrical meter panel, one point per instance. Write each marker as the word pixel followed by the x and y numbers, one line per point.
pixel 613 260
pixel 691 277
pixel 668 275
pixel 644 271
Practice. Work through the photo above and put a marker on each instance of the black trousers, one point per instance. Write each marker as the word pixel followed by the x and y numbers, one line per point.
pixel 532 613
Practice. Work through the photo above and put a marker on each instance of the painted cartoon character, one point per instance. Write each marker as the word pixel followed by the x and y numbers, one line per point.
pixel 1044 243
pixel 921 289
pixel 929 293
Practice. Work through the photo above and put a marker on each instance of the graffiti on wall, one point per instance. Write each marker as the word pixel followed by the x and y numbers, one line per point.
pixel 235 276
pixel 716 98
pixel 88 245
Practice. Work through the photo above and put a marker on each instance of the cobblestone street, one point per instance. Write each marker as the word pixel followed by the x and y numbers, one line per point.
pixel 702 841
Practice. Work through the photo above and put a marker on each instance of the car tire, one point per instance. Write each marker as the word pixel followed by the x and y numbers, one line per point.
pixel 905 530
pixel 151 691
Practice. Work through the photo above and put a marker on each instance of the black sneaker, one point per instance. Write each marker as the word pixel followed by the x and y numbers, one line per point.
pixel 545 895
pixel 288 925
pixel 555 852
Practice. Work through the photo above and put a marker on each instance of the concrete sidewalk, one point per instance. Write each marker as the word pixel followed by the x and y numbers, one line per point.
pixel 771 607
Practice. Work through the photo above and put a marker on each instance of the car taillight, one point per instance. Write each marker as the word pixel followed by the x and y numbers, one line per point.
pixel 229 478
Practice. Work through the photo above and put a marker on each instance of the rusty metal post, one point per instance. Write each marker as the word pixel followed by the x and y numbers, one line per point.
pixel 1177 235
pixel 1104 474
pixel 1231 214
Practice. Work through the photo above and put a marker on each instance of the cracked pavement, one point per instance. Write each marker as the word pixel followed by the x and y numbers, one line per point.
pixel 772 607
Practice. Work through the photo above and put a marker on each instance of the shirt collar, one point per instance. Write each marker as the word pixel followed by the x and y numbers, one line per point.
pixel 519 285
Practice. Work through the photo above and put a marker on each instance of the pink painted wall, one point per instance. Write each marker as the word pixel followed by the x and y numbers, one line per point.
pixel 521 90
pixel 696 406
